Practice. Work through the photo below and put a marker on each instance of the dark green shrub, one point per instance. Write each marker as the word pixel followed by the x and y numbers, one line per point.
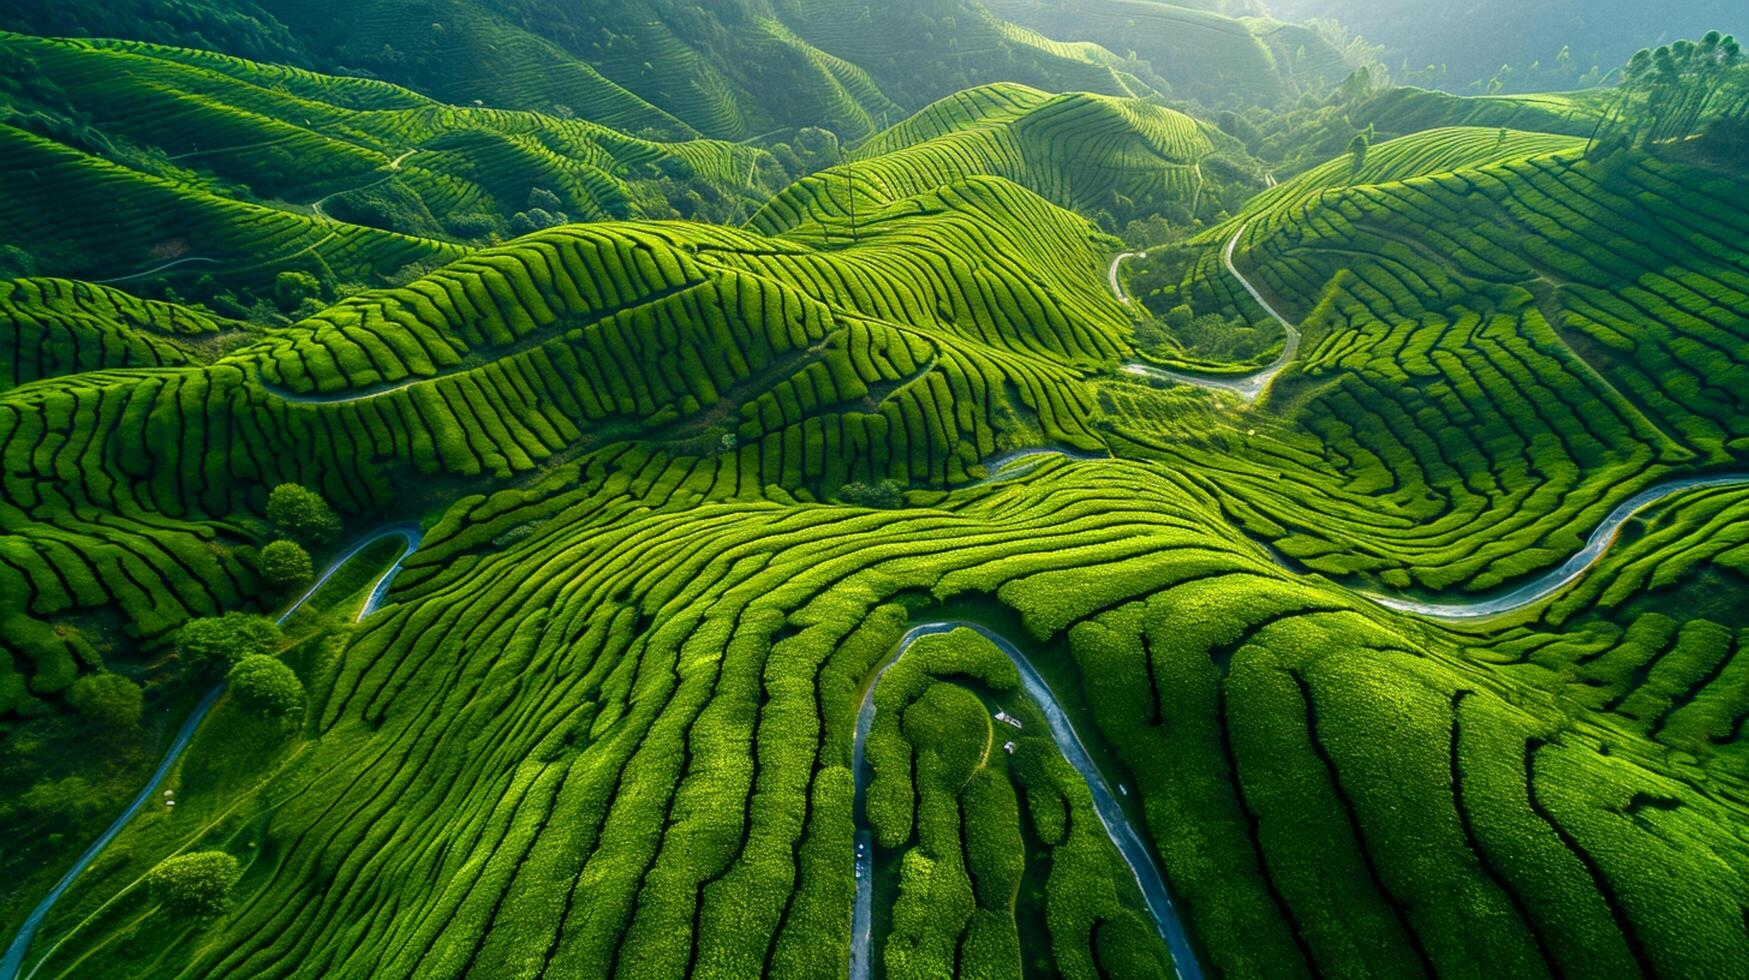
pixel 885 495
pixel 264 685
pixel 230 637
pixel 540 197
pixel 198 883
pixel 471 225
pixel 290 289
pixel 109 698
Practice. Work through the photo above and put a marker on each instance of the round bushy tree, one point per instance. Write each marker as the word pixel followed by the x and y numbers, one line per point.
pixel 286 565
pixel 290 289
pixel 109 698
pixel 301 514
pixel 198 883
pixel 230 637
pixel 266 686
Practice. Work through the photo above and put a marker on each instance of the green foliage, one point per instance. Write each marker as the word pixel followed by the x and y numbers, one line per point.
pixel 198 883
pixel 285 565
pixel 301 514
pixel 291 289
pixel 109 698
pixel 886 494
pixel 1678 89
pixel 683 485
pixel 1357 149
pixel 265 685
pixel 227 638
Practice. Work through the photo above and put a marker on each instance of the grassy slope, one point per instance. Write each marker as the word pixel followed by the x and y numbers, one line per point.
pixel 279 135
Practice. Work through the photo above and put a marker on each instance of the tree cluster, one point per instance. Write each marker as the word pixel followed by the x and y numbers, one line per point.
pixel 1677 91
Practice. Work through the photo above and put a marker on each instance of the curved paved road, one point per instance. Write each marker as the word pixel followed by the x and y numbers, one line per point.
pixel 1111 275
pixel 1130 844
pixel 1246 386
pixel 15 953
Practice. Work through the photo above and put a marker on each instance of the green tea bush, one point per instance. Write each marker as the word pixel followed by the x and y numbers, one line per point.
pixel 198 883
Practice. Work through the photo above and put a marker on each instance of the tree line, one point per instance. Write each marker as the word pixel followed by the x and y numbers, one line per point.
pixel 1677 91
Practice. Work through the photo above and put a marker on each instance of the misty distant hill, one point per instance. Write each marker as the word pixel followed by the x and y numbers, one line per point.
pixel 1474 38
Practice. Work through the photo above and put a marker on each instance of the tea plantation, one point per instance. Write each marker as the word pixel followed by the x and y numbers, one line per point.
pixel 569 552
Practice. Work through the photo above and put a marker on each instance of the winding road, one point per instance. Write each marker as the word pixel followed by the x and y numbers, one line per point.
pixel 1250 386
pixel 1131 845
pixel 1111 275
pixel 1247 386
pixel 13 961
pixel 1546 585
pixel 1016 464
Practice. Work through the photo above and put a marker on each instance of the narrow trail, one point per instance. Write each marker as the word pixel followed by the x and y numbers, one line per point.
pixel 1247 386
pixel 341 397
pixel 388 171
pixel 1020 462
pixel 1131 844
pixel 13 961
pixel 154 270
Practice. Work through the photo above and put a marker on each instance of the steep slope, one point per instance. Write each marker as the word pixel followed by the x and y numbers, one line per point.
pixel 277 134
pixel 822 595
pixel 1603 293
pixel 1081 151
pixel 1202 55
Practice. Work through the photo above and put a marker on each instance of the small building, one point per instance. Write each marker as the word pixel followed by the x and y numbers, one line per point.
pixel 1008 719
pixel 1008 747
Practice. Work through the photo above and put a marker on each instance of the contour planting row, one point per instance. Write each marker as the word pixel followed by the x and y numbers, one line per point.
pixel 618 743
pixel 991 830
pixel 1458 416
pixel 255 136
pixel 511 360
pixel 1079 151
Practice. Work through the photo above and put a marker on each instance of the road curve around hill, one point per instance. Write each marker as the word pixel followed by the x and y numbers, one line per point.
pixel 1130 843
pixel 13 961
pixel 1247 386
pixel 1111 275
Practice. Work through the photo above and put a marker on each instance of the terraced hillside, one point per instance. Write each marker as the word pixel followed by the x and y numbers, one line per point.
pixel 1200 54
pixel 359 149
pixel 843 593
pixel 1081 151
pixel 1603 292
pixel 732 70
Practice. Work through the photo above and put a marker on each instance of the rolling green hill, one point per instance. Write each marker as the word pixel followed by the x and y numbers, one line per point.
pixel 1081 151
pixel 658 67
pixel 1201 55
pixel 691 571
